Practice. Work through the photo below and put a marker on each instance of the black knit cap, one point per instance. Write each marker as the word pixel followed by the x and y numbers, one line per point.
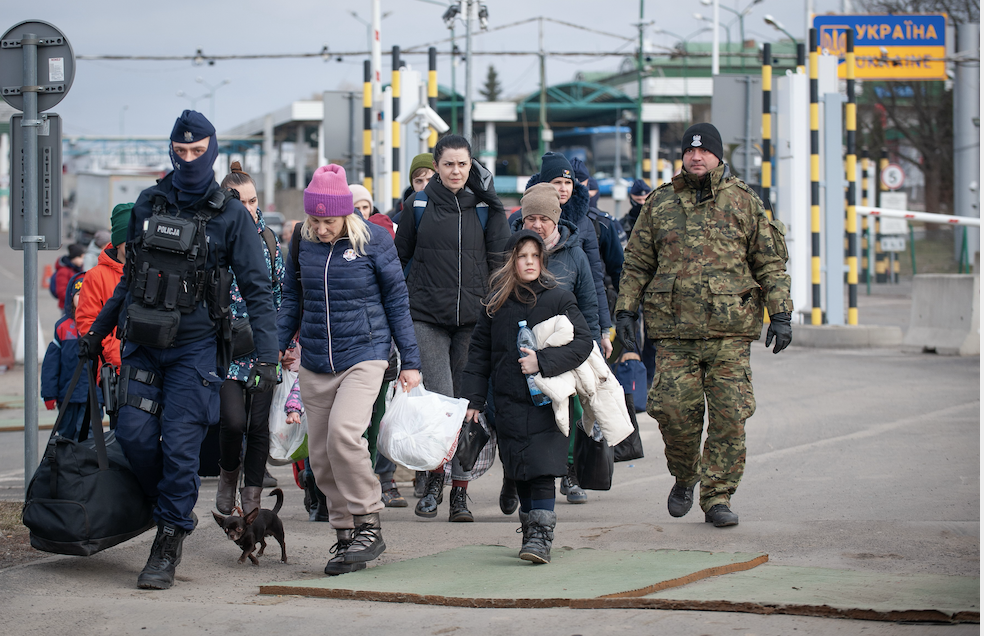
pixel 704 136
pixel 554 165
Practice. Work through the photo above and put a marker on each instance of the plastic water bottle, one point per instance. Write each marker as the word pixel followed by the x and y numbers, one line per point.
pixel 525 340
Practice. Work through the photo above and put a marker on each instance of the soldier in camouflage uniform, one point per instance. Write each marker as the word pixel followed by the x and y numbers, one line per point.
pixel 703 261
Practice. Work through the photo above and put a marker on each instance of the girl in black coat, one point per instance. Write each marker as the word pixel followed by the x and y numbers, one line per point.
pixel 532 448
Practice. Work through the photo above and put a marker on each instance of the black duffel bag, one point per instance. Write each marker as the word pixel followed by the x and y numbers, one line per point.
pixel 83 497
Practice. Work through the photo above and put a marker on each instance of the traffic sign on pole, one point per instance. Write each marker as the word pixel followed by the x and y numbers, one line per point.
pixel 55 65
pixel 892 177
pixel 887 47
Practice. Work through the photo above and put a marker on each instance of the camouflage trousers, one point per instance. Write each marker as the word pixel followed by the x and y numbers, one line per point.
pixel 688 372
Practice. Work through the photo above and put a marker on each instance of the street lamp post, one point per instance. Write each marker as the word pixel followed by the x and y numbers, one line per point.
pixel 778 27
pixel 726 27
pixel 211 95
pixel 741 22
pixel 194 100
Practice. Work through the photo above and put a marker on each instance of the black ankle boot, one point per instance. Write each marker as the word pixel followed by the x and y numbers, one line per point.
pixel 508 497
pixel 320 510
pixel 336 564
pixel 367 540
pixel 165 555
pixel 427 506
pixel 459 505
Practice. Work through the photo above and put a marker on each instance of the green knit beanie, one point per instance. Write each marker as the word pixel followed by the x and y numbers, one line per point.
pixel 425 160
pixel 120 219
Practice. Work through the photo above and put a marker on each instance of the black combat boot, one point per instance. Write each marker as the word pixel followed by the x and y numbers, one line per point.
pixel 538 536
pixel 320 510
pixel 336 564
pixel 367 540
pixel 427 506
pixel 721 516
pixel 165 555
pixel 681 498
pixel 459 505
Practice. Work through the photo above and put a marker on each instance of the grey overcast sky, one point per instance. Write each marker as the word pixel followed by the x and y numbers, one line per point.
pixel 140 97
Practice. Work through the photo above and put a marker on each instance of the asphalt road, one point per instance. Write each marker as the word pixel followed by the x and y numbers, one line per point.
pixel 862 460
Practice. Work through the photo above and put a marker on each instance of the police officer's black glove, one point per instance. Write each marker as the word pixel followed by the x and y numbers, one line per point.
pixel 262 377
pixel 781 330
pixel 90 345
pixel 625 329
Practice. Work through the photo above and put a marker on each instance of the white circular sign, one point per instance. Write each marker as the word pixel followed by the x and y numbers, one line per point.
pixel 892 177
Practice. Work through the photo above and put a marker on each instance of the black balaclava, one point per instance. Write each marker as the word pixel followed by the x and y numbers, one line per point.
pixel 193 177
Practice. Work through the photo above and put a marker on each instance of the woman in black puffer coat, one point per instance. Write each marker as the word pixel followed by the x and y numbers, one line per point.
pixel 532 448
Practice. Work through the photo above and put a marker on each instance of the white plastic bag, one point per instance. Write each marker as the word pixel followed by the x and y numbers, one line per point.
pixel 420 428
pixel 288 442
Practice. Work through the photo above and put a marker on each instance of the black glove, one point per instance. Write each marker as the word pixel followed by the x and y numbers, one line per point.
pixel 781 330
pixel 262 377
pixel 90 345
pixel 625 329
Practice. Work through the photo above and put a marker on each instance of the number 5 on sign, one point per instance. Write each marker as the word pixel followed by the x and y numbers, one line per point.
pixel 892 177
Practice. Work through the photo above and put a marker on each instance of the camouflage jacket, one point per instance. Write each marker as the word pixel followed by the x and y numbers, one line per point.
pixel 704 260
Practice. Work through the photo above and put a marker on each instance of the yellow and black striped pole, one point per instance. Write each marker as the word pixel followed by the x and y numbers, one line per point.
pixel 865 238
pixel 432 91
pixel 767 128
pixel 816 315
pixel 852 171
pixel 395 91
pixel 801 57
pixel 660 166
pixel 677 166
pixel 367 125
pixel 881 260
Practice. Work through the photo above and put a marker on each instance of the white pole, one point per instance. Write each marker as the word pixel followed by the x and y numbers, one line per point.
pixel 470 6
pixel 925 217
pixel 716 51
pixel 4 183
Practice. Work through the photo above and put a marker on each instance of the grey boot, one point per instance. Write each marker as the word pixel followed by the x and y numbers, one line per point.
pixel 225 496
pixel 367 540
pixel 524 528
pixel 539 536
pixel 250 498
pixel 336 564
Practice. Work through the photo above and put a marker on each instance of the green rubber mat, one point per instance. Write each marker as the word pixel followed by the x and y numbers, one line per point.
pixel 449 578
pixel 829 592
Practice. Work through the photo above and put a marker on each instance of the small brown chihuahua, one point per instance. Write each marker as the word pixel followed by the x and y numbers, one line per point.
pixel 260 523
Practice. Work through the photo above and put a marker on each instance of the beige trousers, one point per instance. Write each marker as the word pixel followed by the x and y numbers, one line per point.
pixel 339 410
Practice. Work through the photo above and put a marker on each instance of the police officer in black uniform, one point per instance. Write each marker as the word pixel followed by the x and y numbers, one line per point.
pixel 171 310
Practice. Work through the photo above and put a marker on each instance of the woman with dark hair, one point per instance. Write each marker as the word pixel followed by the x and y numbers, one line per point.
pixel 532 448
pixel 449 240
pixel 235 403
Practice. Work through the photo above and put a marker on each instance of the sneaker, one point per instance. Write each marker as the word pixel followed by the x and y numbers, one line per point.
pixel 721 516
pixel 569 486
pixel 392 497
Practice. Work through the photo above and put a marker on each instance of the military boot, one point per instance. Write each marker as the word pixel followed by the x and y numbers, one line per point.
pixel 508 497
pixel 459 505
pixel 225 496
pixel 336 564
pixel 539 536
pixel 165 555
pixel 433 496
pixel 367 540
pixel 681 498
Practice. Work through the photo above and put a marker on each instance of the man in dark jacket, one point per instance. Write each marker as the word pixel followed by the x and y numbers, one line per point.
pixel 637 193
pixel 167 311
pixel 609 243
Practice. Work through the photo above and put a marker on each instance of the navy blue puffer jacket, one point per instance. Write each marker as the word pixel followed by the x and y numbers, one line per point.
pixel 352 305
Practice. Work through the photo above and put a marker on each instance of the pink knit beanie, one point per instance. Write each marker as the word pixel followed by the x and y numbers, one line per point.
pixel 328 193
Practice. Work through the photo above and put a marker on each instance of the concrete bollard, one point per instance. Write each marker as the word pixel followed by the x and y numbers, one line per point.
pixel 945 314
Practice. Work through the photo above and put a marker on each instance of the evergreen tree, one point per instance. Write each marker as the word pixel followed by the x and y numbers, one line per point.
pixel 492 88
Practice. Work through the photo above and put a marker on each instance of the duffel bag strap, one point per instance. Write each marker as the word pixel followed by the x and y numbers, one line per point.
pixel 68 396
pixel 96 422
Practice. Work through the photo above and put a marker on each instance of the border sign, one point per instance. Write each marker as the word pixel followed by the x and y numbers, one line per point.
pixel 887 47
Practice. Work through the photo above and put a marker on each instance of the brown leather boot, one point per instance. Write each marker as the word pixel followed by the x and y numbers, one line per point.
pixel 225 496
pixel 250 497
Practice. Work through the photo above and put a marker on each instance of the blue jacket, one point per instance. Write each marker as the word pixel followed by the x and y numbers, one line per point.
pixel 60 361
pixel 352 305
pixel 568 263
pixel 233 242
pixel 576 211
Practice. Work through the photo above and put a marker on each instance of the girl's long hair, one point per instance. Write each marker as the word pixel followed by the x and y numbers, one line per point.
pixel 356 229
pixel 505 283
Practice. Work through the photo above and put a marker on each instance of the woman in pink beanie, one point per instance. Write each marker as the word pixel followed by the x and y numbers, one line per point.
pixel 348 298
